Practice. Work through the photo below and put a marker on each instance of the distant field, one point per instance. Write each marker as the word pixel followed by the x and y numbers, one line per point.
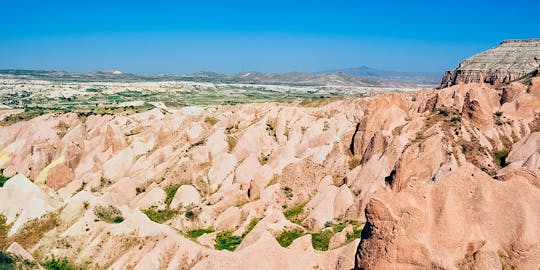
pixel 38 97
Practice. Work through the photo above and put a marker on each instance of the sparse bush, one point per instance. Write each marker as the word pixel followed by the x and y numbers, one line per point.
pixel 293 214
pixel 455 119
pixel 263 159
pixel 109 214
pixel 285 238
pixel 500 158
pixel 328 224
pixel 342 224
pixel 211 120
pixel 225 240
pixel 3 179
pixel 357 233
pixel 498 113
pixel 499 122
pixel 443 112
pixel 201 142
pixel 354 162
pixel 231 141
pixel 4 229
pixel 59 264
pixel 251 225
pixel 34 230
pixel 321 240
pixel 288 192
pixel 189 214
pixel 198 232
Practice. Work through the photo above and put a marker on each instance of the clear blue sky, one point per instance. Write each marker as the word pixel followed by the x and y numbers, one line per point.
pixel 269 36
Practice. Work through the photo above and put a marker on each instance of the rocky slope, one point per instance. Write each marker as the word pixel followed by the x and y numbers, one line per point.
pixel 445 179
pixel 507 62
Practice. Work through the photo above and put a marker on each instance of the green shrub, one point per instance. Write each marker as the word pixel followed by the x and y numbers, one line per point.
pixel 159 216
pixel 285 238
pixel 109 214
pixel 189 214
pixel 321 240
pixel 455 119
pixel 58 264
pixel 342 224
pixel 498 113
pixel 3 178
pixel 357 233
pixel 443 112
pixel 170 190
pixel 198 232
pixel 7 262
pixel 225 240
pixel 500 158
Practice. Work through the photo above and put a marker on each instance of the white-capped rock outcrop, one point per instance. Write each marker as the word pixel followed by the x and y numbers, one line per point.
pixel 506 62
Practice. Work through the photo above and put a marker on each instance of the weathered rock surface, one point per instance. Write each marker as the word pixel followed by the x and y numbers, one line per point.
pixel 427 170
pixel 509 61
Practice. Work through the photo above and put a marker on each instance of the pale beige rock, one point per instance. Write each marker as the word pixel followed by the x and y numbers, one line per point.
pixel 228 219
pixel 186 195
pixel 16 249
pixel 23 201
pixel 224 164
pixel 154 197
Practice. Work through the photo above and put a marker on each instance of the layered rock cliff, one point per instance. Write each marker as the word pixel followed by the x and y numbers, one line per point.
pixel 507 62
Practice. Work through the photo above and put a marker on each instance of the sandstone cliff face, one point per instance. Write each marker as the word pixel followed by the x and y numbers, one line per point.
pixel 457 208
pixel 507 62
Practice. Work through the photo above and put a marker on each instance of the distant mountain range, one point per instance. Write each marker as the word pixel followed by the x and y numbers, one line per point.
pixel 429 78
pixel 363 76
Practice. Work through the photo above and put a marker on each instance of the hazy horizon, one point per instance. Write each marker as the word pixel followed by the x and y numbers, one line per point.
pixel 240 36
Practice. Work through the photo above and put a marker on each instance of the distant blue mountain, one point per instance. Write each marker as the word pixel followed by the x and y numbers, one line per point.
pixel 431 78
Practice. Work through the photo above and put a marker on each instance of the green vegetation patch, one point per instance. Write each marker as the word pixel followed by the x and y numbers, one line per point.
pixel 339 227
pixel 170 190
pixel 24 116
pixel 251 225
pixel 294 213
pixel 59 264
pixel 357 233
pixel 285 238
pixel 194 234
pixel 321 240
pixel 109 214
pixel 160 216
pixel 7 262
pixel 225 240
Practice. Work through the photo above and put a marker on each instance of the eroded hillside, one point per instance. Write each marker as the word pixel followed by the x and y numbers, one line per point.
pixel 442 178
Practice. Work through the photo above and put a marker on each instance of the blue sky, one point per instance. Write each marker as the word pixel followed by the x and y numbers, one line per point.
pixel 271 36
